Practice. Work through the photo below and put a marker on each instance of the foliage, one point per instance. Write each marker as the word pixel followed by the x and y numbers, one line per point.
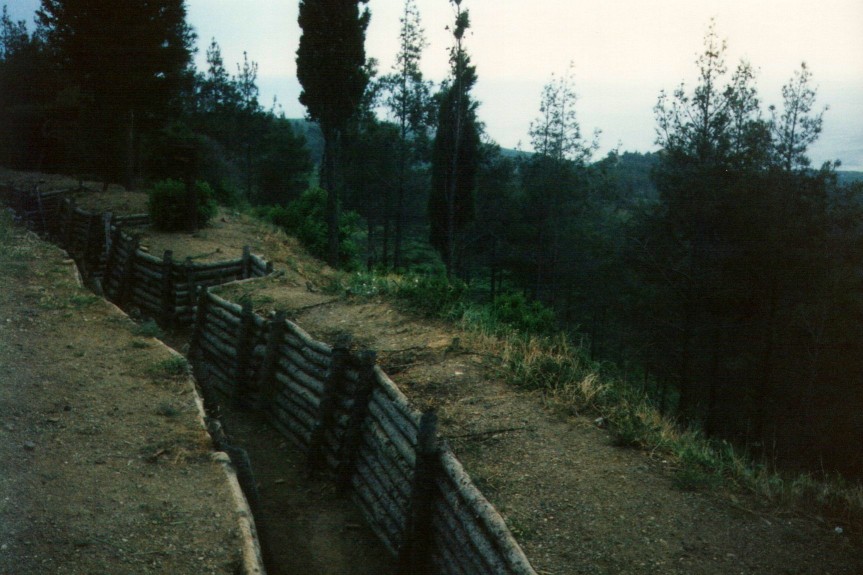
pixel 169 205
pixel 455 153
pixel 407 97
pixel 332 55
pixel 130 63
pixel 304 219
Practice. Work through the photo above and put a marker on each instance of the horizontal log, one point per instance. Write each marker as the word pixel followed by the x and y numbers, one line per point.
pixel 469 530
pixel 317 346
pixel 217 365
pixel 228 332
pixel 445 555
pixel 392 482
pixel 293 424
pixel 492 521
pixel 294 343
pixel 388 512
pixel 294 408
pixel 291 386
pixel 451 544
pixel 232 308
pixel 147 272
pixel 375 517
pixel 218 344
pixel 224 315
pixel 293 436
pixel 147 258
pixel 291 360
pixel 314 385
pixel 398 452
pixel 404 424
pixel 394 393
pixel 291 398
pixel 396 476
pixel 141 295
pixel 368 515
pixel 391 435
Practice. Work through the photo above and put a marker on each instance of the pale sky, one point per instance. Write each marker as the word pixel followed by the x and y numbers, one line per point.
pixel 623 51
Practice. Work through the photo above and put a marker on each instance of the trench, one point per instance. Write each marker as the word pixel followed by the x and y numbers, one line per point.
pixel 305 525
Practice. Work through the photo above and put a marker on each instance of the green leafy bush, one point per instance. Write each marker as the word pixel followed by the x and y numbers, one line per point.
pixel 169 205
pixel 304 218
pixel 516 311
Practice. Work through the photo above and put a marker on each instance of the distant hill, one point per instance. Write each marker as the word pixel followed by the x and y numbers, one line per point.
pixel 848 177
pixel 313 135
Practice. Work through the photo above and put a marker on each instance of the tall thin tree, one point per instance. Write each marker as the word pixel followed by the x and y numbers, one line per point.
pixel 408 98
pixel 331 62
pixel 455 157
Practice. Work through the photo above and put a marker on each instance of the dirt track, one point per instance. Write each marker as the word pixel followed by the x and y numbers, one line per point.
pixel 106 468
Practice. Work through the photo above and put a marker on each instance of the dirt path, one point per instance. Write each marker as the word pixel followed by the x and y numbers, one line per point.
pixel 576 503
pixel 306 526
pixel 105 466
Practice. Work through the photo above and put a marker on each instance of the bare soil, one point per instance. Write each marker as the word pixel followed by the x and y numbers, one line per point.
pixel 106 465
pixel 577 503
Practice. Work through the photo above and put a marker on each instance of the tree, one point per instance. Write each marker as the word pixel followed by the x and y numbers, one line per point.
pixel 408 98
pixel 712 141
pixel 455 155
pixel 554 186
pixel 331 69
pixel 130 61
pixel 796 128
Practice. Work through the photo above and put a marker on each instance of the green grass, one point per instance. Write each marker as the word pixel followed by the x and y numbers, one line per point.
pixel 170 369
pixel 148 328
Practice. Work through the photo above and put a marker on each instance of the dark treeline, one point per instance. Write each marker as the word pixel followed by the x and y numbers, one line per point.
pixel 723 272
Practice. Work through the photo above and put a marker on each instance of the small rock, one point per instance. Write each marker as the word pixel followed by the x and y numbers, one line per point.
pixel 600 422
pixel 29 445
pixel 839 530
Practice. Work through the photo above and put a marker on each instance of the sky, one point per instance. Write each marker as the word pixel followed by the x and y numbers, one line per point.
pixel 623 53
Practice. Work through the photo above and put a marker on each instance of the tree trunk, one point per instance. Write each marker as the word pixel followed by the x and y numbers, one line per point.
pixel 331 185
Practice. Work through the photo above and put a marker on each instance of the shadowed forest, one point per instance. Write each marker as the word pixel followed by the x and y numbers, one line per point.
pixel 719 278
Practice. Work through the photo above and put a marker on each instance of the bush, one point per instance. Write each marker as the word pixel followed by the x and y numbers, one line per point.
pixel 516 311
pixel 169 205
pixel 304 218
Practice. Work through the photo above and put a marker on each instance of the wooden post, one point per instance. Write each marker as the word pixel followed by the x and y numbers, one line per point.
pixel 247 262
pixel 191 284
pixel 111 262
pixel 69 224
pixel 329 403
pixel 266 381
pixel 167 289
pixel 203 297
pixel 41 208
pixel 350 446
pixel 415 552
pixel 128 270
pixel 244 355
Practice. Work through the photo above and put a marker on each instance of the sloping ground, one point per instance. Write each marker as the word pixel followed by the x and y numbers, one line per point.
pixel 576 503
pixel 105 465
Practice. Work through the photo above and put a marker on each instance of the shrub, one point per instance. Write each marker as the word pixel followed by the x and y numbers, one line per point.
pixel 304 218
pixel 169 205
pixel 516 311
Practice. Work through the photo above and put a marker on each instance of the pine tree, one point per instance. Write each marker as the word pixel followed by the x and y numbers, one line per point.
pixel 130 61
pixel 455 155
pixel 408 98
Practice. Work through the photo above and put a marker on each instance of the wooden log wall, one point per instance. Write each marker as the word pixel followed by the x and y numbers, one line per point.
pixel 337 406
pixel 128 275
pixel 354 422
